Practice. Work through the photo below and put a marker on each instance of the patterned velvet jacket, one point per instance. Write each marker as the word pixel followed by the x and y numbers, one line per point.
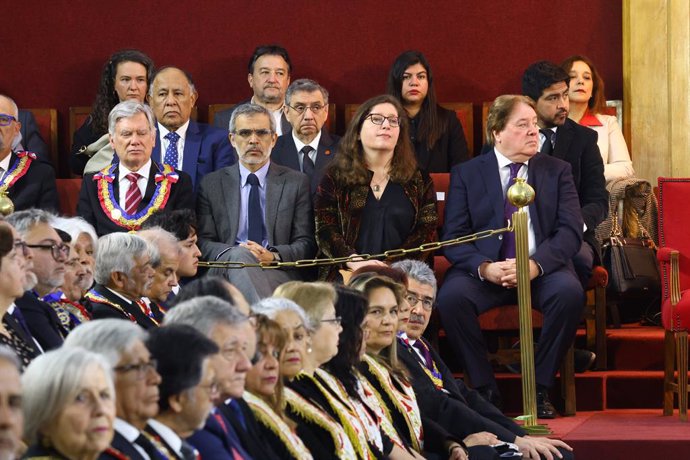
pixel 338 210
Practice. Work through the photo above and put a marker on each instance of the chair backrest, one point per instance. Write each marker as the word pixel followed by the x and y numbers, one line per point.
pixel 46 120
pixel 215 108
pixel 674 221
pixel 68 194
pixel 77 117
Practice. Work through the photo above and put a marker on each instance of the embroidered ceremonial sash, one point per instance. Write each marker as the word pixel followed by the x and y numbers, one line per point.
pixel 96 297
pixel 111 208
pixel 17 170
pixel 267 417
pixel 310 412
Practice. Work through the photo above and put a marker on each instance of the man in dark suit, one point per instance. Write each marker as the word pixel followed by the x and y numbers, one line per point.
pixel 28 182
pixel 124 196
pixel 483 273
pixel 187 387
pixel 46 257
pixel 457 408
pixel 123 275
pixel 255 211
pixel 269 77
pixel 547 85
pixel 195 148
pixel 165 268
pixel 308 147
pixel 30 139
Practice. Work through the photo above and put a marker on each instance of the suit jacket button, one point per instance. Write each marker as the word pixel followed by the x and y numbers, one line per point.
pixel 500 237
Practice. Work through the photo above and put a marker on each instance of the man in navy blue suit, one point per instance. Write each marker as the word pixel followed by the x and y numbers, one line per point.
pixel 483 273
pixel 195 148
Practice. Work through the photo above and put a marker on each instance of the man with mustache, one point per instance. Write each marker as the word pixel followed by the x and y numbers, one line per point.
pixel 124 273
pixel 184 144
pixel 256 210
pixel 269 77
pixel 308 147
pixel 547 85
pixel 447 401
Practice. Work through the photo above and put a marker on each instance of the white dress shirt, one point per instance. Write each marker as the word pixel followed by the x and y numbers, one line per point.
pixel 142 182
pixel 300 145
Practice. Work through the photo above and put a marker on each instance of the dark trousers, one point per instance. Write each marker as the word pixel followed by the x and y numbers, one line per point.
pixel 558 295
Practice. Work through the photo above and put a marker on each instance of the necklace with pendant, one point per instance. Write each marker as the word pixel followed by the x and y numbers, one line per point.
pixel 377 187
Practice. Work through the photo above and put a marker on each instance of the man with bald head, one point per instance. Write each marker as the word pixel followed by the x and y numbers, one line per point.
pixel 27 182
pixel 195 148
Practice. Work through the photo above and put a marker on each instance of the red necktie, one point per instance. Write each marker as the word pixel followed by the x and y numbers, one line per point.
pixel 133 197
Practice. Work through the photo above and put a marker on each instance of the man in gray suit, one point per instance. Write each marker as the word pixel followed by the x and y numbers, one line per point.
pixel 255 211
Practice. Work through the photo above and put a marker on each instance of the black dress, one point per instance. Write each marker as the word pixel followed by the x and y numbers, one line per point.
pixel 449 150
pixel 387 222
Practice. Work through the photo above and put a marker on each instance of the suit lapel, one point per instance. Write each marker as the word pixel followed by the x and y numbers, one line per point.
pixel 323 153
pixel 275 182
pixel 150 186
pixel 535 178
pixel 564 136
pixel 156 154
pixel 230 191
pixel 290 155
pixel 492 185
pixel 192 147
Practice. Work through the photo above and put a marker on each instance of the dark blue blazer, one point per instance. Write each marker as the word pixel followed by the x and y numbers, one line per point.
pixel 285 153
pixel 475 203
pixel 206 149
pixel 213 443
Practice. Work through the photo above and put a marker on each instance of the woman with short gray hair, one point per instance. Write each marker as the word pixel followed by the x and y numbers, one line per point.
pixel 69 405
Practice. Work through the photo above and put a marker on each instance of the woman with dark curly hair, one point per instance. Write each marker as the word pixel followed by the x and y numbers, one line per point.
pixel 436 134
pixel 373 198
pixel 126 75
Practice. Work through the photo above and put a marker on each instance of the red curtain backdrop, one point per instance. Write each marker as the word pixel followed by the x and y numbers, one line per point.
pixel 52 52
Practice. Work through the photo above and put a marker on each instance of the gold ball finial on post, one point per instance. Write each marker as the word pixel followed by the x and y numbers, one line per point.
pixel 6 205
pixel 520 194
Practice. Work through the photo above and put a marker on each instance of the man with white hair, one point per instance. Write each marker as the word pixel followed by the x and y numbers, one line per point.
pixel 165 269
pixel 123 275
pixel 232 430
pixel 123 195
pixel 26 181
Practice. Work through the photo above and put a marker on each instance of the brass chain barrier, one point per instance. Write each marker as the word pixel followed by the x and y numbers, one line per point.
pixel 426 247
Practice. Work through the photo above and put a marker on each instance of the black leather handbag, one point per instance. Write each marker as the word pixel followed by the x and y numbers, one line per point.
pixel 634 281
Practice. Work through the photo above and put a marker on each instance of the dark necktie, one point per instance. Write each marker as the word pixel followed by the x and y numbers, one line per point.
pixel 171 154
pixel 307 163
pixel 133 196
pixel 153 453
pixel 547 146
pixel 254 213
pixel 428 361
pixel 508 247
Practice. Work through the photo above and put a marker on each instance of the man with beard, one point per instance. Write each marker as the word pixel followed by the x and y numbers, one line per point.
pixel 272 221
pixel 561 137
pixel 269 77
pixel 45 259
pixel 123 275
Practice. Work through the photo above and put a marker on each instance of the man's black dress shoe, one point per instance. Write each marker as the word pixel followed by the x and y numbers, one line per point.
pixel 544 407
pixel 583 360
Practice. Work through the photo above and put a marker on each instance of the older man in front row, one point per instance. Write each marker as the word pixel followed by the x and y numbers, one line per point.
pixel 123 195
pixel 459 409
pixel 124 273
pixel 255 211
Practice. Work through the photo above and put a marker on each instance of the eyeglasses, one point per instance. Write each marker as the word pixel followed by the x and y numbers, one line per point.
pixel 336 321
pixel 142 369
pixel 211 388
pixel 6 119
pixel 413 299
pixel 378 119
pixel 260 133
pixel 56 250
pixel 21 247
pixel 301 108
